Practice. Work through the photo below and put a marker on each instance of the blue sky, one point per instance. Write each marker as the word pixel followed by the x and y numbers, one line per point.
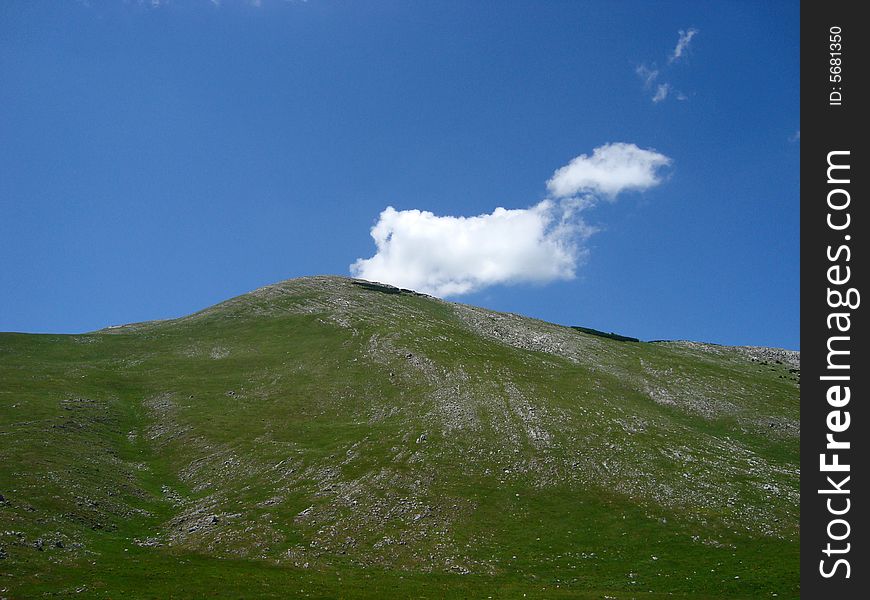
pixel 158 157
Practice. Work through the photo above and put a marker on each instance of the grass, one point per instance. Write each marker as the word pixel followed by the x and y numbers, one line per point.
pixel 321 438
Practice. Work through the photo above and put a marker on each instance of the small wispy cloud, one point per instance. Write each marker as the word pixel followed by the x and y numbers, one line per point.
pixel 682 44
pixel 647 75
pixel 662 90
pixel 446 255
pixel 651 75
pixel 162 4
pixel 795 137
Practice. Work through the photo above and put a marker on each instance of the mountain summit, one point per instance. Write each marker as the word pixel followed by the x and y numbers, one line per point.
pixel 333 437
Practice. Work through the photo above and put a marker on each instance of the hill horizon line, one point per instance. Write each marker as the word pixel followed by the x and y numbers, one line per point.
pixel 389 288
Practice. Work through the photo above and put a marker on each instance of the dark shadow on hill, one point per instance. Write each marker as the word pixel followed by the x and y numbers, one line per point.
pixel 610 336
pixel 384 288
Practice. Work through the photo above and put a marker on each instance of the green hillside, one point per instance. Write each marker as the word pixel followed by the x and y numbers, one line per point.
pixel 325 437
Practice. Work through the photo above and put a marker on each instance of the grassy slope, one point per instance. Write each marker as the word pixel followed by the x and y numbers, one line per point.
pixel 322 438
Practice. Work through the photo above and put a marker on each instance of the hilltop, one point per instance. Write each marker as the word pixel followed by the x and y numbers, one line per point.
pixel 333 437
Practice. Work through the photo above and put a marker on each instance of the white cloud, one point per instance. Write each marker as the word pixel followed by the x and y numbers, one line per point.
pixel 450 256
pixel 612 168
pixel 650 75
pixel 647 75
pixel 795 137
pixel 455 255
pixel 661 92
pixel 683 43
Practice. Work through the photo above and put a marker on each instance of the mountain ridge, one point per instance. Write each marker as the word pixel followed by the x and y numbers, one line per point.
pixel 793 355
